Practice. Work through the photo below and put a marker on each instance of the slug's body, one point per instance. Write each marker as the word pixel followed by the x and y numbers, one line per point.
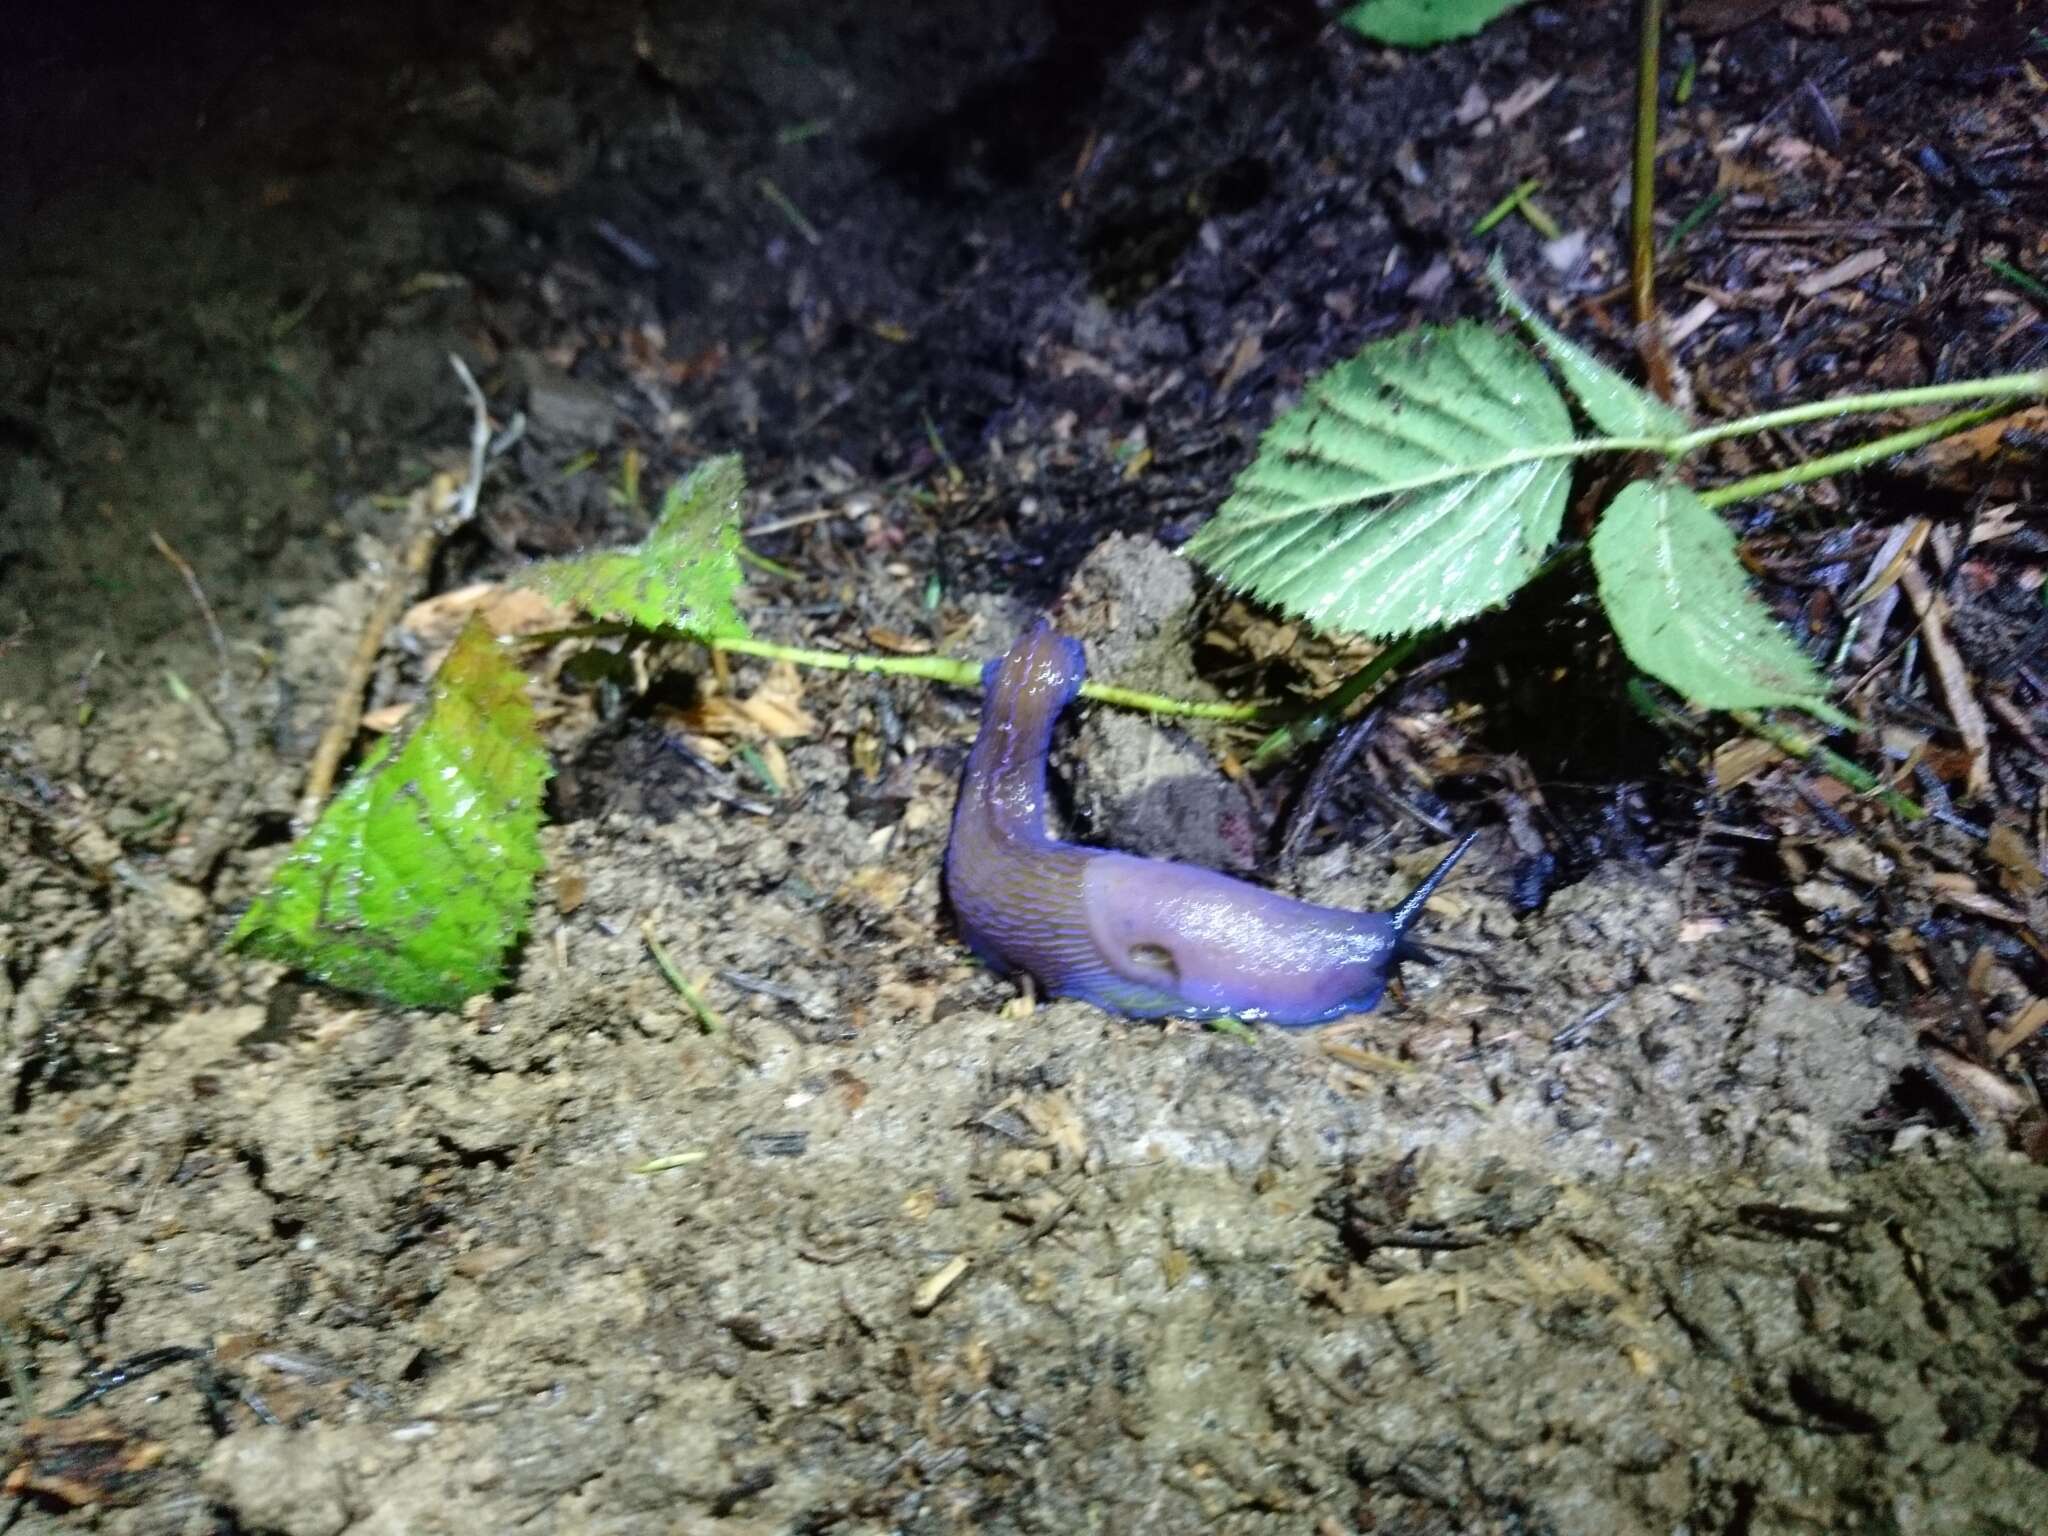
pixel 1144 937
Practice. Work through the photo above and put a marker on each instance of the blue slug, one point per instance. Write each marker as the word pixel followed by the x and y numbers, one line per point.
pixel 1143 937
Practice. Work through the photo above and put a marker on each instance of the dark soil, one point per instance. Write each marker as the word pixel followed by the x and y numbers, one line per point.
pixel 1693 1189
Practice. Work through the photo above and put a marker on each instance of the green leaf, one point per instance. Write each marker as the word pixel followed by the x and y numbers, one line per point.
pixel 681 576
pixel 1682 605
pixel 1416 484
pixel 1423 23
pixel 418 876
pixel 1611 402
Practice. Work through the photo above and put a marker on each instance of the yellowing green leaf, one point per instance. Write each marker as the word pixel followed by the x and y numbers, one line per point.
pixel 418 877
pixel 1611 402
pixel 1683 608
pixel 1415 485
pixel 1423 23
pixel 683 575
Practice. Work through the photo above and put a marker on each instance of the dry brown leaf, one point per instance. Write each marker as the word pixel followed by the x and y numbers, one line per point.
pixel 1961 891
pixel 2009 851
pixel 89 1459
pixel 382 722
pixel 1998 522
pixel 1980 443
pixel 897 642
pixel 1741 759
pixel 1243 358
pixel 436 620
pixel 1817 20
pixel 772 712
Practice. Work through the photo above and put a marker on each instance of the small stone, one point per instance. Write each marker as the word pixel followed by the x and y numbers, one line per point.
pixel 568 411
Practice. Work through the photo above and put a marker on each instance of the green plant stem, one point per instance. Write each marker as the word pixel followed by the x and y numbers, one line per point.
pixel 2004 387
pixel 1328 710
pixel 1872 452
pixel 1643 176
pixel 1852 774
pixel 967 674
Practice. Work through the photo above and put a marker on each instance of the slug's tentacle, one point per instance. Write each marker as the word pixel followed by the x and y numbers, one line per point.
pixel 1144 937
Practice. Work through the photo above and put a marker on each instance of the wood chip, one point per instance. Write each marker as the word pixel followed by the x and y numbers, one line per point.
pixel 1741 759
pixel 1847 270
pixel 1680 329
pixel 1996 523
pixel 1523 98
pixel 933 1290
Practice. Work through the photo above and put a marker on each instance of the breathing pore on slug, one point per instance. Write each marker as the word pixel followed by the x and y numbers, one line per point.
pixel 1143 937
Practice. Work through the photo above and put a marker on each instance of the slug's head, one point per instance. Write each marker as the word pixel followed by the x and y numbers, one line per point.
pixel 1404 917
pixel 1381 939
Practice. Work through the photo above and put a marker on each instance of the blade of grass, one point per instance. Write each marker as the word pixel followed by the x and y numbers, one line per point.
pixel 707 1021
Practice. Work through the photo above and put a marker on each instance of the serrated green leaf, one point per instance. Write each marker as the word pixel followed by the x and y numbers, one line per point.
pixel 683 575
pixel 418 877
pixel 1684 610
pixel 1417 484
pixel 1611 402
pixel 1423 23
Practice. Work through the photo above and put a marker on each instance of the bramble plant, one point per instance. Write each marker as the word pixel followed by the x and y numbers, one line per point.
pixel 418 877
pixel 1424 481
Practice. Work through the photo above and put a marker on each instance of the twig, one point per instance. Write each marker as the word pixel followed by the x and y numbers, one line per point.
pixel 1321 782
pixel 1954 678
pixel 347 713
pixel 230 716
pixel 479 445
pixel 2016 721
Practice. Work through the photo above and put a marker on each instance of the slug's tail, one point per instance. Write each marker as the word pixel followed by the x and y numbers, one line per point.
pixel 1405 915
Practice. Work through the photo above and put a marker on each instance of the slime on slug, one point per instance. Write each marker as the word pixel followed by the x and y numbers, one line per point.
pixel 1142 937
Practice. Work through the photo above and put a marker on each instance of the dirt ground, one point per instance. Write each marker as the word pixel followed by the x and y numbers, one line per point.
pixel 1655 1205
